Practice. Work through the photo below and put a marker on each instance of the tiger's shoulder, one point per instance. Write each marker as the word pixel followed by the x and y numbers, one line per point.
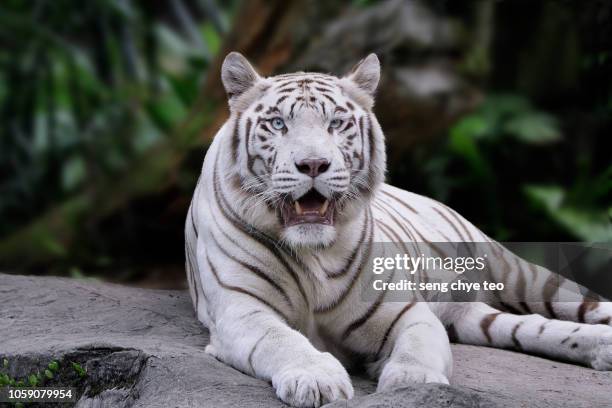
pixel 401 214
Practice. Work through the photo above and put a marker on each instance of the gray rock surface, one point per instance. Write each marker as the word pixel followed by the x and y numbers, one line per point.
pixel 144 348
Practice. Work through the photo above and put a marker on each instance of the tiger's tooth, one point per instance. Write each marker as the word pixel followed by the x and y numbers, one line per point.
pixel 298 209
pixel 323 208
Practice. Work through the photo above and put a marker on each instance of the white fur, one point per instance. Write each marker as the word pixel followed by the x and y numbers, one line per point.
pixel 303 356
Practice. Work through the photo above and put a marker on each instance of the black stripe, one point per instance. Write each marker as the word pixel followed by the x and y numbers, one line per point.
pixel 236 138
pixel 340 272
pixel 330 98
pixel 371 310
pixel 401 202
pixel 250 359
pixel 251 231
pixel 255 270
pixel 416 230
pixel 463 225
pixel 190 275
pixel 243 291
pixel 193 225
pixel 365 255
pixel 521 286
pixel 586 306
pixel 486 323
pixel 450 223
pixel 372 158
pixel 509 308
pixel 385 337
pixel 517 343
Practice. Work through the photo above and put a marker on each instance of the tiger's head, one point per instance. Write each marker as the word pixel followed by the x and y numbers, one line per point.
pixel 307 151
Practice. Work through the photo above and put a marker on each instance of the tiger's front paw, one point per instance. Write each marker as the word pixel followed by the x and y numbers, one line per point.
pixel 318 381
pixel 396 375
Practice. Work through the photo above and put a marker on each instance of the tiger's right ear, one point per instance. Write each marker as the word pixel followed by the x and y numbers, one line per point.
pixel 237 74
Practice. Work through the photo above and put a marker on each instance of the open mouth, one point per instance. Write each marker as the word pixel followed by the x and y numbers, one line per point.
pixel 311 208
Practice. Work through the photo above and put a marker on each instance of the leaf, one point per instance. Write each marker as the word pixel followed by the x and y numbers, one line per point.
pixel 211 37
pixel 166 110
pixel 79 370
pixel 473 126
pixel 53 366
pixel 4 380
pixel 467 148
pixel 505 105
pixel 32 380
pixel 550 197
pixel 48 374
pixel 534 128
pixel 590 225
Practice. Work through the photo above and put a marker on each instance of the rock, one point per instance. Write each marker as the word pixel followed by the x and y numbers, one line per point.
pixel 144 348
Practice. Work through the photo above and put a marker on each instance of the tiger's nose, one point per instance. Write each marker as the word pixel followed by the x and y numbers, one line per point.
pixel 312 167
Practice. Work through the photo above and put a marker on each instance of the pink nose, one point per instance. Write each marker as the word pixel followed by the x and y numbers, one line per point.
pixel 312 167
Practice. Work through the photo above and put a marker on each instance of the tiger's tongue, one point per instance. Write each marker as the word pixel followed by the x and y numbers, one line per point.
pixel 311 202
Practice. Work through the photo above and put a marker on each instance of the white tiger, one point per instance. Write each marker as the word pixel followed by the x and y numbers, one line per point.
pixel 290 199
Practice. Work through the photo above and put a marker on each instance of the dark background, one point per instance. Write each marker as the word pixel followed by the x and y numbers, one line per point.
pixel 500 109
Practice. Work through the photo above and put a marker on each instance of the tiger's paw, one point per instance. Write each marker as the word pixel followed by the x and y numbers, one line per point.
pixel 396 375
pixel 602 354
pixel 314 383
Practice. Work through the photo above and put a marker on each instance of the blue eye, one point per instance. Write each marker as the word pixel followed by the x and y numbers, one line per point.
pixel 278 123
pixel 335 123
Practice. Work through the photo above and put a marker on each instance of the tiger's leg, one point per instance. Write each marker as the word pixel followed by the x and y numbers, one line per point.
pixel 479 324
pixel 416 350
pixel 535 289
pixel 250 330
pixel 256 341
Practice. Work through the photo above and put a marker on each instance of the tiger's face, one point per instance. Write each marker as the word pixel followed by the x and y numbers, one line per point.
pixel 308 151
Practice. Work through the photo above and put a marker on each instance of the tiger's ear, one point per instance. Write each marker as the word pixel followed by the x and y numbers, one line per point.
pixel 237 74
pixel 366 74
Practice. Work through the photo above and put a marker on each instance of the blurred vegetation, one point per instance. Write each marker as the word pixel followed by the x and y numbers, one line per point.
pixel 102 99
pixel 534 162
pixel 504 165
pixel 88 92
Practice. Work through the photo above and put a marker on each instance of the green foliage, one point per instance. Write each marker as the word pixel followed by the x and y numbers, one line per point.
pixel 577 212
pixel 4 380
pixel 78 369
pixel 53 366
pixel 508 116
pixel 87 89
pixel 493 159
pixel 33 379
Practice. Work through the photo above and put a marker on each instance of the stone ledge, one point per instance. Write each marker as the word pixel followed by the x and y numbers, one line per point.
pixel 144 348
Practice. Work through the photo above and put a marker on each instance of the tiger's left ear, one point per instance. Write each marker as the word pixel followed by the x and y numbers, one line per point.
pixel 366 74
